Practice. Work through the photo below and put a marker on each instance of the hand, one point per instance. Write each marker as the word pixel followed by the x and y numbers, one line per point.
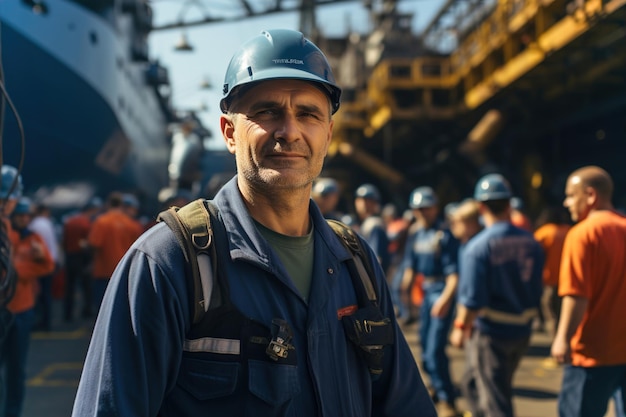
pixel 457 338
pixel 440 308
pixel 561 350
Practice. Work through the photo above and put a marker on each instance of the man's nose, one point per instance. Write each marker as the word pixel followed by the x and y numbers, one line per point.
pixel 288 128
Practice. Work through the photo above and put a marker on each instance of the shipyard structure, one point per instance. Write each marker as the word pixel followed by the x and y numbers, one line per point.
pixel 530 88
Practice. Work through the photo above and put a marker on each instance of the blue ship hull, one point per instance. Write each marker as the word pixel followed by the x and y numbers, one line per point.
pixel 77 143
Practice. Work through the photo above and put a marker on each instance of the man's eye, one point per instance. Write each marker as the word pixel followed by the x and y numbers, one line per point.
pixel 309 115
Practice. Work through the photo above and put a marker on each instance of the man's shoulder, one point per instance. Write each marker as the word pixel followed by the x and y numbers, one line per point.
pixel 597 225
pixel 479 241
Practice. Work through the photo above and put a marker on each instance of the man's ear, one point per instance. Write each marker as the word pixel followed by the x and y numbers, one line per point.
pixel 227 126
pixel 591 196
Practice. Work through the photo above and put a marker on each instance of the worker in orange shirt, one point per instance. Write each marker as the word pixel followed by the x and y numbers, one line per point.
pixel 31 260
pixel 553 226
pixel 10 192
pixel 112 233
pixel 78 258
pixel 591 335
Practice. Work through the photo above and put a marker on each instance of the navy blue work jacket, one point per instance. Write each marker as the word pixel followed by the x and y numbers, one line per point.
pixel 134 366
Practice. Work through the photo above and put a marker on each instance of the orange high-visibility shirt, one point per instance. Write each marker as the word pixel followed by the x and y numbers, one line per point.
pixel 29 268
pixel 112 233
pixel 593 266
pixel 551 237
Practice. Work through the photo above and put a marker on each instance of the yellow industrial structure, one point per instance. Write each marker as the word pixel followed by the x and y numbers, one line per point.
pixel 519 67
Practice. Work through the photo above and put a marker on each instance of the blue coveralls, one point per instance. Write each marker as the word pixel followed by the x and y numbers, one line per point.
pixel 433 253
pixel 374 232
pixel 500 275
pixel 135 364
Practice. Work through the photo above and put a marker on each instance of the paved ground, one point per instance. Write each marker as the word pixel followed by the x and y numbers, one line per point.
pixel 536 383
pixel 56 359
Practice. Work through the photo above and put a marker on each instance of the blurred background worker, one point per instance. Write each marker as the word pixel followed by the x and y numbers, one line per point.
pixel 367 203
pixel 78 258
pixel 553 226
pixel 499 295
pixel 464 221
pixel 431 254
pixel 325 193
pixel 10 192
pixel 131 206
pixel 43 225
pixel 31 260
pixel 110 236
pixel 518 215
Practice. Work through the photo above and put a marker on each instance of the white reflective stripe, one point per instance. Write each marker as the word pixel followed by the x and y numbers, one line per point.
pixel 509 318
pixel 213 345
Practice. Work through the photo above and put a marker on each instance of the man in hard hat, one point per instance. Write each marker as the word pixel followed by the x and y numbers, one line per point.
pixel 277 344
pixel 367 203
pixel 431 260
pixel 500 286
pixel 326 193
pixel 31 259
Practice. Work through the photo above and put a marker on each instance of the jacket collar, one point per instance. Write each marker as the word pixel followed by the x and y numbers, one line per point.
pixel 245 241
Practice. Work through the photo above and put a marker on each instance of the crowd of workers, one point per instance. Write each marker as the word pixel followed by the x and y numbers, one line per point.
pixel 477 275
pixel 484 276
pixel 53 258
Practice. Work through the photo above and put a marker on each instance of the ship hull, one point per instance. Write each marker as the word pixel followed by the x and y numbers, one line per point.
pixel 86 132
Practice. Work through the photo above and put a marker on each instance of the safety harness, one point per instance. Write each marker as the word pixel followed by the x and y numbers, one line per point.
pixel 192 224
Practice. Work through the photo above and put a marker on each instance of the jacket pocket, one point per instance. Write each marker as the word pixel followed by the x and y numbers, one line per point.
pixel 206 380
pixel 275 384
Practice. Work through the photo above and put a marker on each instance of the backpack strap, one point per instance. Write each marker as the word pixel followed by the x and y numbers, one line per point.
pixel 359 266
pixel 191 224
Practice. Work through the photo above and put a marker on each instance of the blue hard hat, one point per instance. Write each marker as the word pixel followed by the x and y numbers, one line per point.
pixel 422 197
pixel 492 187
pixel 279 54
pixel 24 206
pixel 325 186
pixel 367 191
pixel 11 186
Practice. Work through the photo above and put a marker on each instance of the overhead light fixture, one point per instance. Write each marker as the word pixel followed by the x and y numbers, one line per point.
pixel 183 44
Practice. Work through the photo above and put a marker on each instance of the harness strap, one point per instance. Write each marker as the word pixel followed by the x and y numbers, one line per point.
pixel 359 265
pixel 191 225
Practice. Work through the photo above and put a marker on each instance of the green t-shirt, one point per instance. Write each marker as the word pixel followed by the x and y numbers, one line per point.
pixel 296 254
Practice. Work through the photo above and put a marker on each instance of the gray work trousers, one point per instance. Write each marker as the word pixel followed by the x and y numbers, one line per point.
pixel 488 383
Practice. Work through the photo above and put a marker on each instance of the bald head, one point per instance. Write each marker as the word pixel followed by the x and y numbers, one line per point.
pixel 588 189
pixel 596 178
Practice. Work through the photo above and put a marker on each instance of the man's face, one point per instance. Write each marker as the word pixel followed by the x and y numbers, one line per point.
pixel 21 221
pixel 577 199
pixel 279 132
pixel 8 206
pixel 428 215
